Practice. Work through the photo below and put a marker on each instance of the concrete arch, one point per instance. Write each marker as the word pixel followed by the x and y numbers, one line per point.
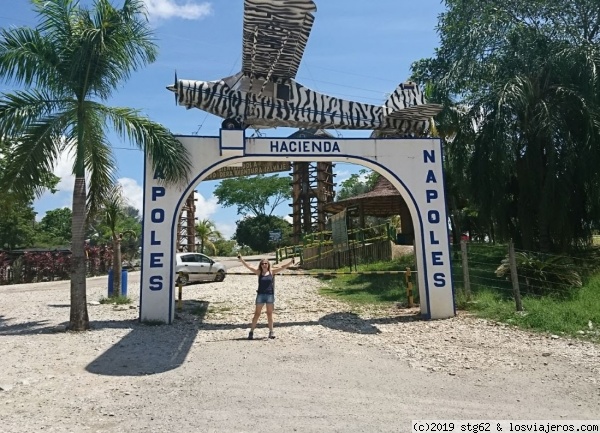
pixel 413 166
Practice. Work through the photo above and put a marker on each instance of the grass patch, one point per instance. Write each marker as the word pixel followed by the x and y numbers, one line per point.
pixel 117 300
pixel 199 308
pixel 153 322
pixel 569 314
pixel 363 290
pixel 545 314
pixel 220 309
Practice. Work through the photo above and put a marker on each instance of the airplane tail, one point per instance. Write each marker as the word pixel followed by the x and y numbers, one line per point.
pixel 406 95
pixel 408 101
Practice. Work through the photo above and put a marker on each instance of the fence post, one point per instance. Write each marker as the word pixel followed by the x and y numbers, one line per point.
pixel 514 276
pixel 180 294
pixel 465 266
pixel 409 293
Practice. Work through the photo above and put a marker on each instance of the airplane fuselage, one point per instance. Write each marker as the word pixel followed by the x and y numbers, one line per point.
pixel 286 104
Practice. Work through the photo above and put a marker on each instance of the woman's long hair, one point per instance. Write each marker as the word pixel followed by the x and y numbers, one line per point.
pixel 262 272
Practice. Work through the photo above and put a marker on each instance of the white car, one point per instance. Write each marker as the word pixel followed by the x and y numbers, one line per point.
pixel 198 267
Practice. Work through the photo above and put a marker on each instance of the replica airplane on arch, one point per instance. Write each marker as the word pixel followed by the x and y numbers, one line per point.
pixel 264 94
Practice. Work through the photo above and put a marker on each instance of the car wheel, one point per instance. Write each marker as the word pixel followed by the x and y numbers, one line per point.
pixel 220 276
pixel 183 279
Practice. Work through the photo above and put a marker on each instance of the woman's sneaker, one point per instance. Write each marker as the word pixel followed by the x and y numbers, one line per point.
pixel 251 335
pixel 271 334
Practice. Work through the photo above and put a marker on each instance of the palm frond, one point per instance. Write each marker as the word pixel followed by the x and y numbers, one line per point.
pixel 167 154
pixel 22 109
pixel 112 204
pixel 34 154
pixel 26 57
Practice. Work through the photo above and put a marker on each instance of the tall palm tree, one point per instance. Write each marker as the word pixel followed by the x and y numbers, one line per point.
pixel 70 64
pixel 206 231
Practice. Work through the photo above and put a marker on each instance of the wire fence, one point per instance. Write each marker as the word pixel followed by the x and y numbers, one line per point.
pixel 514 273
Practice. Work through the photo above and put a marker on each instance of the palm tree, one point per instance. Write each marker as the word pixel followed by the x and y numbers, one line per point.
pixel 70 64
pixel 113 210
pixel 206 231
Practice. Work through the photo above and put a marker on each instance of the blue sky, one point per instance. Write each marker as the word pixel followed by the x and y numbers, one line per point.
pixel 357 50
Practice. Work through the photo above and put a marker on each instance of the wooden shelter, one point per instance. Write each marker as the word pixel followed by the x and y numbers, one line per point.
pixel 383 201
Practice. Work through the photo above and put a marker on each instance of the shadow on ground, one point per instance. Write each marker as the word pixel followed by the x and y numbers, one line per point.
pixel 24 328
pixel 341 321
pixel 149 348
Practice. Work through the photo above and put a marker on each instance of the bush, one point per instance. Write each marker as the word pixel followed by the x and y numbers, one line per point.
pixel 543 275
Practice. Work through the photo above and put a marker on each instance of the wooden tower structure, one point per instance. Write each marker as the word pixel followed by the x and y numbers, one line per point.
pixel 186 227
pixel 312 189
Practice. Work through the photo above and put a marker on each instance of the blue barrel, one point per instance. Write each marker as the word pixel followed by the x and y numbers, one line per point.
pixel 110 283
pixel 123 283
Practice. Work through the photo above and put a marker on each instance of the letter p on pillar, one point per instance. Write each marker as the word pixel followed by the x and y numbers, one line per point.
pixel 431 194
pixel 158 191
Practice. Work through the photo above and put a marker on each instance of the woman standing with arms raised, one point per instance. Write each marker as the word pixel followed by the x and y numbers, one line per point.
pixel 265 294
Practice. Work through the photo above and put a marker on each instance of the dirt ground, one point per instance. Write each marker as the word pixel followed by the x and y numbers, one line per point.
pixel 330 369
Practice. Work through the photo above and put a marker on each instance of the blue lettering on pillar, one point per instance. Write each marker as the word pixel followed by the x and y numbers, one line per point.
pixel 153 240
pixel 433 216
pixel 157 215
pixel 158 191
pixel 439 279
pixel 155 260
pixel 431 177
pixel 156 283
pixel 431 194
pixel 428 156
pixel 436 258
pixel 432 238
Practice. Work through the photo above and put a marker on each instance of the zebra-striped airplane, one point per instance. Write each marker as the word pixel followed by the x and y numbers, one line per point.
pixel 264 93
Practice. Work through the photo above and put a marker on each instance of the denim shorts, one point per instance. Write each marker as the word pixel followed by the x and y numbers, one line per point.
pixel 265 298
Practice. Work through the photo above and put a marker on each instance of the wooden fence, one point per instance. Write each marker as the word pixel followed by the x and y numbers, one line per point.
pixel 323 256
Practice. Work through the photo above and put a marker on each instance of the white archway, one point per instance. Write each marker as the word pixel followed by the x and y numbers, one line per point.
pixel 413 166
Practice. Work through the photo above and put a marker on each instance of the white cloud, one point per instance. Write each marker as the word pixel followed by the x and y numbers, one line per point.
pixel 166 9
pixel 64 170
pixel 133 193
pixel 226 229
pixel 205 207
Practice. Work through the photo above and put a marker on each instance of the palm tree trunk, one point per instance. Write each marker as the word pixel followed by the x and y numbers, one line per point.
pixel 116 266
pixel 79 320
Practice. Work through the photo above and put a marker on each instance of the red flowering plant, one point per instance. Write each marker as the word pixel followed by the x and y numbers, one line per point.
pixel 99 259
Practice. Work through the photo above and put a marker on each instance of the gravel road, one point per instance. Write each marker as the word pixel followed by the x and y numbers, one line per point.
pixel 331 368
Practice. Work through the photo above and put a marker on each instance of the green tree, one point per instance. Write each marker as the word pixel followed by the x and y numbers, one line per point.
pixel 224 247
pixel 54 229
pixel 253 232
pixel 525 74
pixel 17 222
pixel 70 65
pixel 208 234
pixel 258 195
pixel 358 183
pixel 17 216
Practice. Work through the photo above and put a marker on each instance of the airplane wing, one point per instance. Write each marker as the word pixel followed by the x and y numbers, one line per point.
pixel 416 112
pixel 275 35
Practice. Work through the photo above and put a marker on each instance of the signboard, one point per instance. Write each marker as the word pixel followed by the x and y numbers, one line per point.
pixel 339 232
pixel 275 235
pixel 250 169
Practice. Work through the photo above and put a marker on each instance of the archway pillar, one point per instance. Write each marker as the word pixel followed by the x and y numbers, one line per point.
pixel 413 166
